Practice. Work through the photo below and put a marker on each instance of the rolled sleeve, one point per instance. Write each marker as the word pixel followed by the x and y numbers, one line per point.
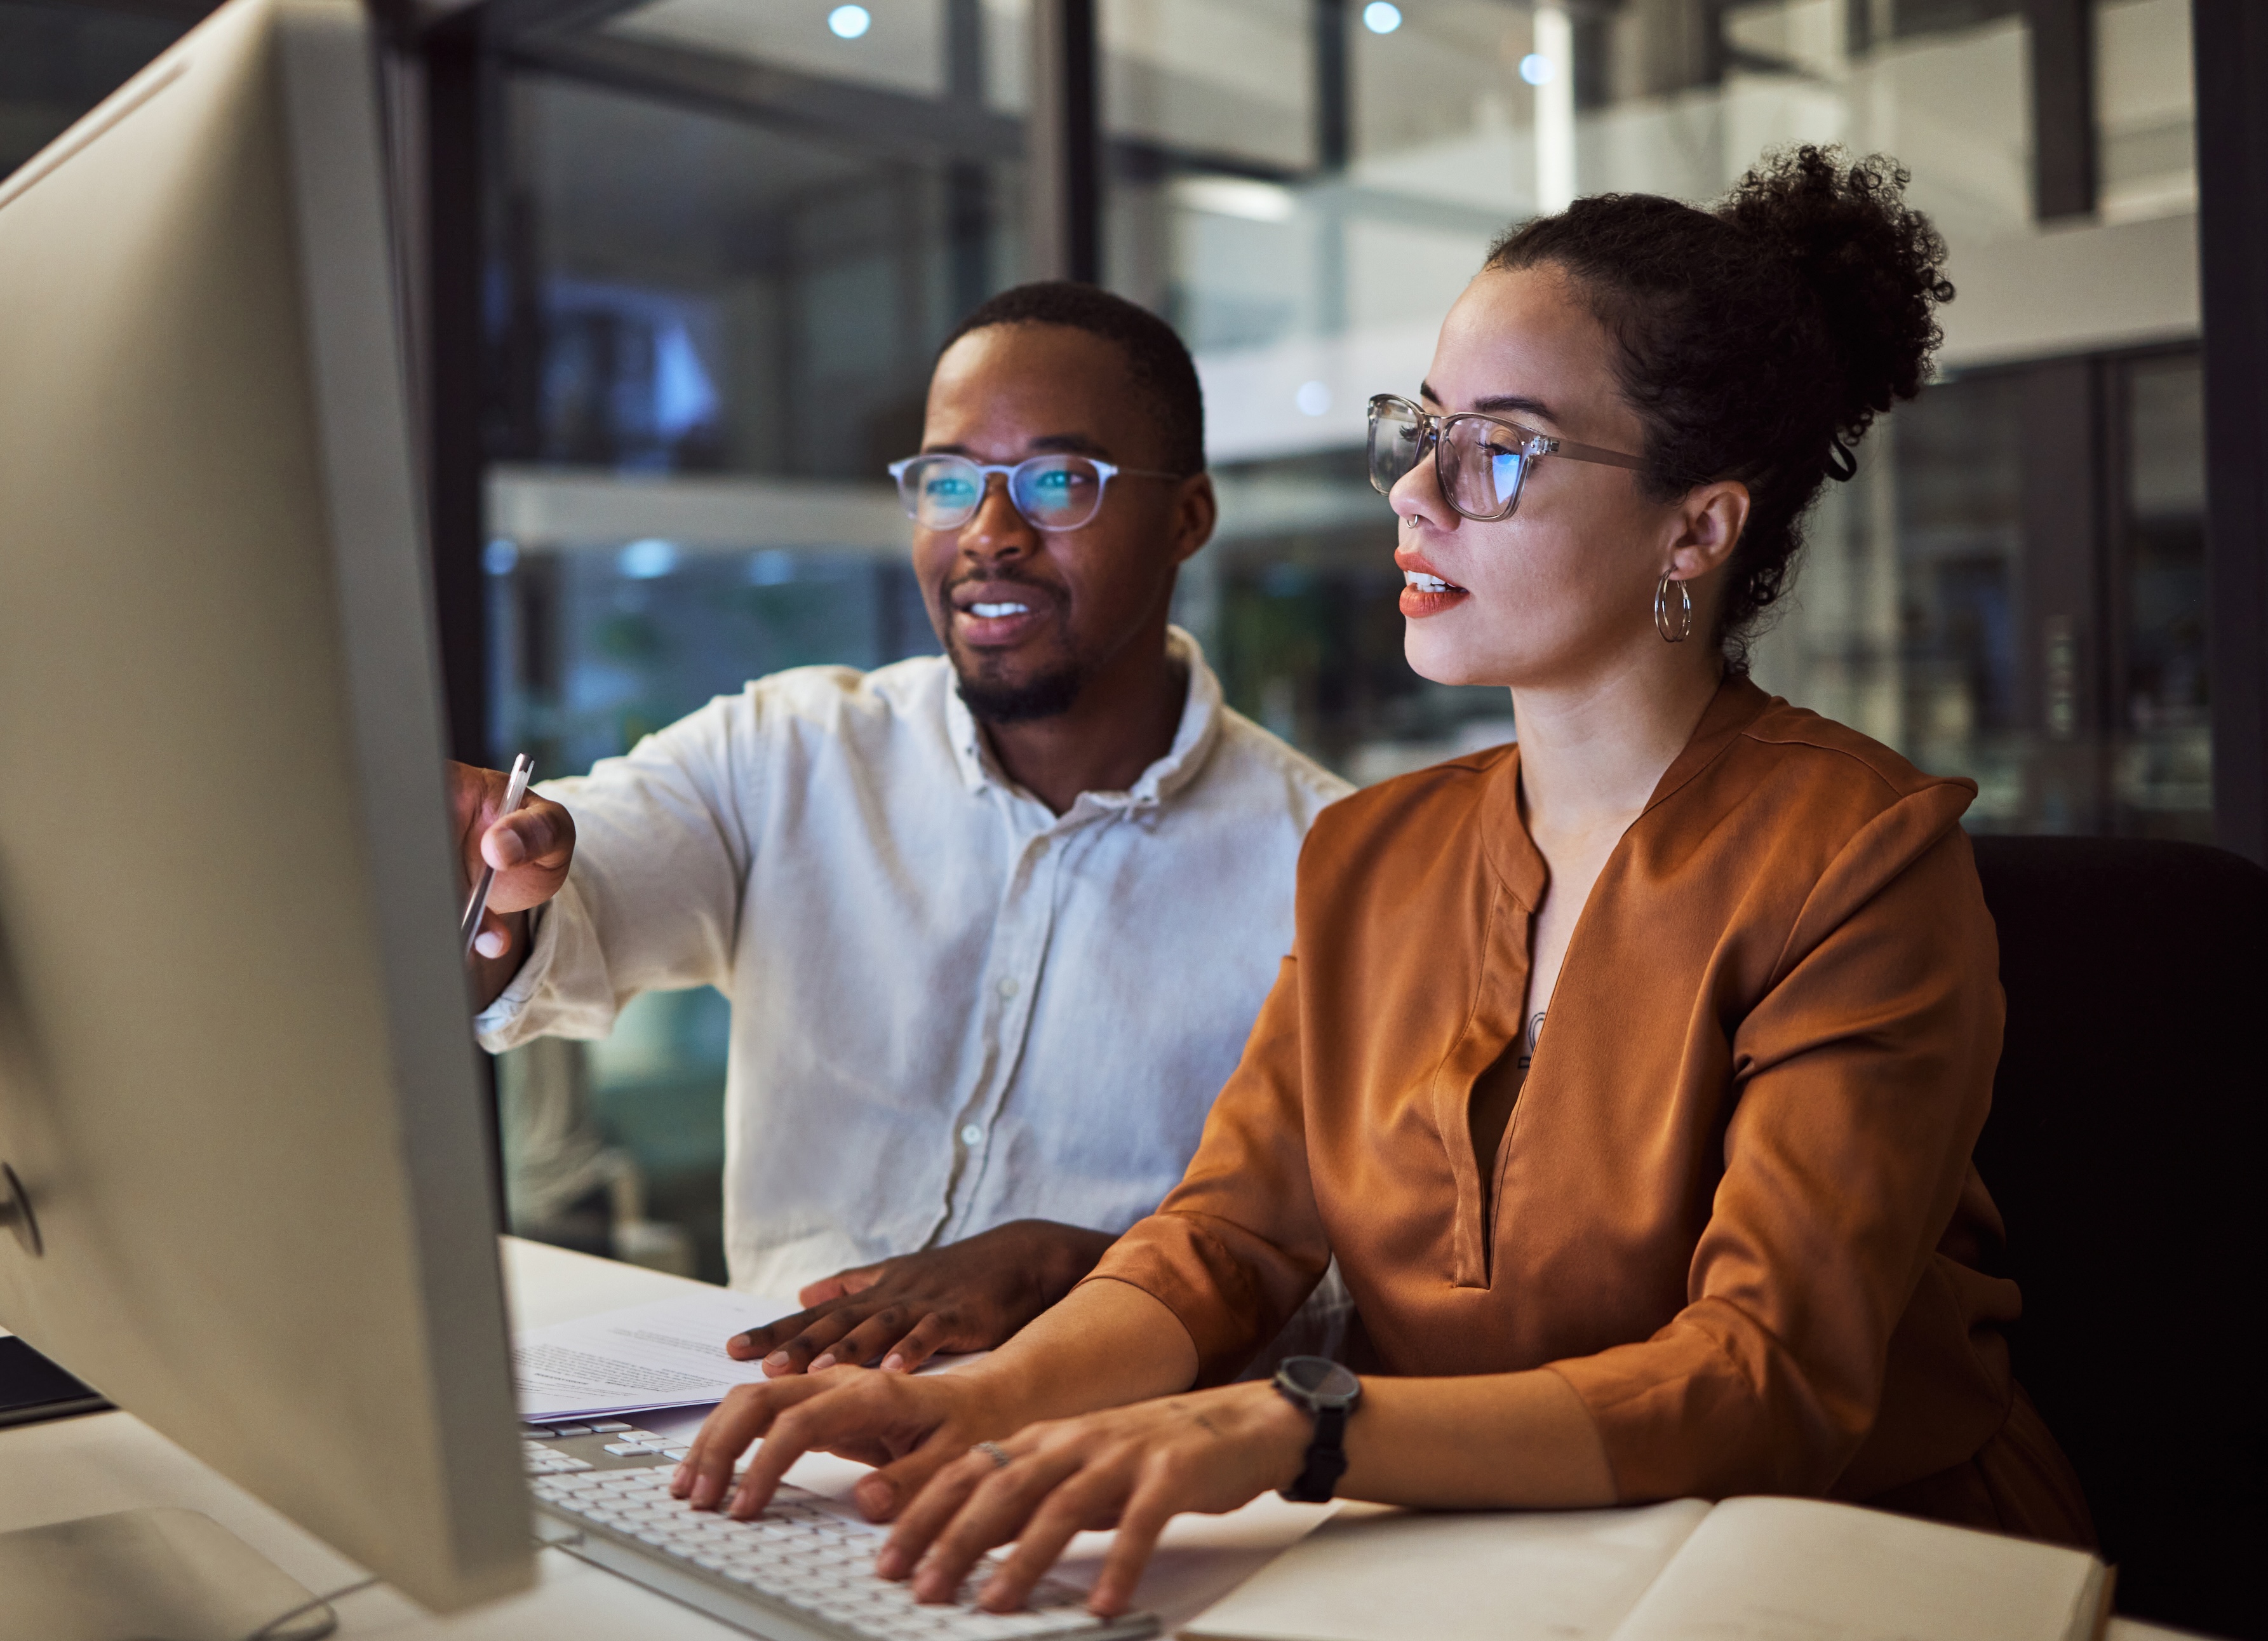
pixel 562 989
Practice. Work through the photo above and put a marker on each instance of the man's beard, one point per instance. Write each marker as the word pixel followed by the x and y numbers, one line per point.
pixel 993 701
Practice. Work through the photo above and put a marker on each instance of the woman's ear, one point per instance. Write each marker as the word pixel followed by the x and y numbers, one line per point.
pixel 1710 520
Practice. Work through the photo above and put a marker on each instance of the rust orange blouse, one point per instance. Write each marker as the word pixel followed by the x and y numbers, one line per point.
pixel 1734 1207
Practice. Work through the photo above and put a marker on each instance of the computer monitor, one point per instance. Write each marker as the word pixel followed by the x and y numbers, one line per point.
pixel 249 1192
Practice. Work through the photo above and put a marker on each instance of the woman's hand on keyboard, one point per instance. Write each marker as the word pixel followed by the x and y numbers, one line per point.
pixel 910 1427
pixel 1132 1468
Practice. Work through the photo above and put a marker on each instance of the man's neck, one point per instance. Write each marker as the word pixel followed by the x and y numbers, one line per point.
pixel 1124 720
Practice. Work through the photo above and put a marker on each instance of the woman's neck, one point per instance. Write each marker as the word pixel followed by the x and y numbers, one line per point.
pixel 1592 753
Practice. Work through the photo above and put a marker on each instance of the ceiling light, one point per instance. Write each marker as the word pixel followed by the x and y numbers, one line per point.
pixel 848 22
pixel 1248 197
pixel 1381 17
pixel 643 561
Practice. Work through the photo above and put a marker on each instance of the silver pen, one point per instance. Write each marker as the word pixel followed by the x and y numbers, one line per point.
pixel 514 794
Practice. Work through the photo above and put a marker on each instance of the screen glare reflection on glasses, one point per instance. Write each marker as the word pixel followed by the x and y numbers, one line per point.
pixel 1052 492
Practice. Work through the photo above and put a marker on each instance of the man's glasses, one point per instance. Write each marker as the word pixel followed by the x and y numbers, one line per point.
pixel 1482 460
pixel 1053 492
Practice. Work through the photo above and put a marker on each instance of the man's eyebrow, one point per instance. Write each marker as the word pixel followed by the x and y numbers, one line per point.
pixel 1075 444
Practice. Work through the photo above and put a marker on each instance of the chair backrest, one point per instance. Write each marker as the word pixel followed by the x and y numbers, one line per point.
pixel 2124 1148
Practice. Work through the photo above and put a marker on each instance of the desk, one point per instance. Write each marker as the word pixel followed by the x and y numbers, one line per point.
pixel 109 1461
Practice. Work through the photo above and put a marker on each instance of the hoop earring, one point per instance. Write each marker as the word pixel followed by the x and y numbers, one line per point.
pixel 1661 623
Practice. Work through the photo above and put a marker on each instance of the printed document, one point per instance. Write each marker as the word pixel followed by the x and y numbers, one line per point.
pixel 669 1353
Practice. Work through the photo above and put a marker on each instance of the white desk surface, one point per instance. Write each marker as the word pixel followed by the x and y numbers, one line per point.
pixel 68 1467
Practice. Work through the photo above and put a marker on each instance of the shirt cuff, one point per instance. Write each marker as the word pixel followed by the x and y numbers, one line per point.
pixel 496 1026
pixel 1186 1269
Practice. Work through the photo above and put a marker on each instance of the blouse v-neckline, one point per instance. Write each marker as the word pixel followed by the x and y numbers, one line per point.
pixel 1497 1022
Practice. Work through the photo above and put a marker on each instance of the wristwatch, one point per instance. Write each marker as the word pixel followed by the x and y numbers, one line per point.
pixel 1328 1392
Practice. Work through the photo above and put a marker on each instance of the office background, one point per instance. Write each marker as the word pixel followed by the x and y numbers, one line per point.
pixel 680 267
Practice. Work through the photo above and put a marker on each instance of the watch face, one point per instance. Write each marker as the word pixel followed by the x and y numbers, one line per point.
pixel 1321 1379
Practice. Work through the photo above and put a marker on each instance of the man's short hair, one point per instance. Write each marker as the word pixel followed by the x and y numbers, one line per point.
pixel 1156 358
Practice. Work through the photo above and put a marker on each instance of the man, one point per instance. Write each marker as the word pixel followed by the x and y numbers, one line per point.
pixel 994 925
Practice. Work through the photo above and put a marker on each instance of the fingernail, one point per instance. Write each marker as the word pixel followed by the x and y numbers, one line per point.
pixel 776 1361
pixel 894 1363
pixel 510 849
pixel 490 944
pixel 891 1564
pixel 875 1495
pixel 826 1360
pixel 705 1489
pixel 677 1480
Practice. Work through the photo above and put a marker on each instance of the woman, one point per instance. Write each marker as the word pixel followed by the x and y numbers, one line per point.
pixel 1631 1073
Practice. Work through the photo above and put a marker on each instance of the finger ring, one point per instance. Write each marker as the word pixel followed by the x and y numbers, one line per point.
pixel 993 1450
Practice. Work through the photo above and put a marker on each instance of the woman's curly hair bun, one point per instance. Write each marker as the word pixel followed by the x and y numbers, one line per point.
pixel 1757 339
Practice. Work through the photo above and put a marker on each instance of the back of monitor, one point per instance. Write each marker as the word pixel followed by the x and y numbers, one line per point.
pixel 236 1081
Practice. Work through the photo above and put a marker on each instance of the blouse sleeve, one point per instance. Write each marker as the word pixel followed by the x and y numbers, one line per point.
pixel 1237 1245
pixel 1863 1075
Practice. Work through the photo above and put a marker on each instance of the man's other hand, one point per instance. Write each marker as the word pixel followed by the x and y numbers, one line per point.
pixel 530 848
pixel 968 1296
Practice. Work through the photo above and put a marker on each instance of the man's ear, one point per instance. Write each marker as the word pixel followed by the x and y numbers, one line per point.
pixel 1708 526
pixel 1196 511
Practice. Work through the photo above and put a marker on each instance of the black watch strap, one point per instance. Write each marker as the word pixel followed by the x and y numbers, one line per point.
pixel 1327 1460
pixel 1326 1392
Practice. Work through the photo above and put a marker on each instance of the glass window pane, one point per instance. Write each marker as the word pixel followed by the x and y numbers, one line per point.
pixel 1930 611
pixel 2163 772
pixel 897 43
pixel 722 265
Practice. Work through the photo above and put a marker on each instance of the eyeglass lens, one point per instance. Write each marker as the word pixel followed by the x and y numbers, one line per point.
pixel 1053 492
pixel 1480 464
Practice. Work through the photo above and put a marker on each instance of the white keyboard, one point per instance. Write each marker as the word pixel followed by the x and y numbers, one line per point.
pixel 802 1571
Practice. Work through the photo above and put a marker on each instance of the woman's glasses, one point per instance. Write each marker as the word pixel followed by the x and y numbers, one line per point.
pixel 1482 460
pixel 1053 492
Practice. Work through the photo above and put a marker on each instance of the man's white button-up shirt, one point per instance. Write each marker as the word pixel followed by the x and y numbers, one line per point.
pixel 951 1007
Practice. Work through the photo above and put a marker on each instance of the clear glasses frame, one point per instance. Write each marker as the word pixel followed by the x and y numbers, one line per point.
pixel 1084 480
pixel 1482 462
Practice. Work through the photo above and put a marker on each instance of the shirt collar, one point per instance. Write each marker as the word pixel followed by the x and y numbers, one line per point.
pixel 1193 743
pixel 1504 838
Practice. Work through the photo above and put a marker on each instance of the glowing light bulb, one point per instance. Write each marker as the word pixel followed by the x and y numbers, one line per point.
pixel 848 22
pixel 1381 17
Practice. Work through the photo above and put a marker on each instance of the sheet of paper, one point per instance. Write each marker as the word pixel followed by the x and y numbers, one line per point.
pixel 669 1353
pixel 1503 1575
pixel 1799 1569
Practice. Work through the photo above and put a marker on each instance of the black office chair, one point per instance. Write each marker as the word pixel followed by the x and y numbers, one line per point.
pixel 2124 1148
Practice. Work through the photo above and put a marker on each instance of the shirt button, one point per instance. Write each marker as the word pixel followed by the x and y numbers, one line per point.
pixel 1008 986
pixel 973 1134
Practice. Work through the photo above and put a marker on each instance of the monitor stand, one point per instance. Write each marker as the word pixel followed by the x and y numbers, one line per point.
pixel 150 1575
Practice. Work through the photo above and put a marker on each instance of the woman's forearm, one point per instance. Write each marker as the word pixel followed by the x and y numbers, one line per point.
pixel 1498 1441
pixel 1106 1344
pixel 1501 1441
